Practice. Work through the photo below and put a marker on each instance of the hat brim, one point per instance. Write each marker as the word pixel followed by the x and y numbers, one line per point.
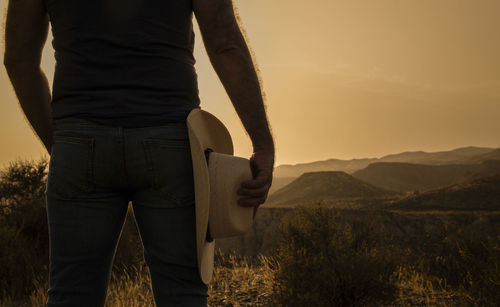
pixel 205 131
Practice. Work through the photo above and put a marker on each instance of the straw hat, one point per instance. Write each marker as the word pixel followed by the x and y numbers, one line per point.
pixel 215 183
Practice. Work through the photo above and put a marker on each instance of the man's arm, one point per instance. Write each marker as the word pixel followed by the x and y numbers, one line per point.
pixel 231 59
pixel 25 35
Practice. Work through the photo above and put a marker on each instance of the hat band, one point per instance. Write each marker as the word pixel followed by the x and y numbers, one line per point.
pixel 207 157
pixel 207 153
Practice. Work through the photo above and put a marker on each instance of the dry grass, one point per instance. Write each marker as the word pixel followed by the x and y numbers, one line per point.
pixel 129 288
pixel 416 289
pixel 243 282
pixel 236 282
pixel 240 282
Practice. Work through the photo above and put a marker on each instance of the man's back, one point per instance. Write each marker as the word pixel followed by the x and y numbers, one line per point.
pixel 114 61
pixel 123 63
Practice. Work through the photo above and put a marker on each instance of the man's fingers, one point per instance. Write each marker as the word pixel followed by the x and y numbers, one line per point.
pixel 251 202
pixel 257 192
pixel 258 182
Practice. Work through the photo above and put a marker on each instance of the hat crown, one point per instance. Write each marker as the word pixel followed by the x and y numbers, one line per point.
pixel 227 218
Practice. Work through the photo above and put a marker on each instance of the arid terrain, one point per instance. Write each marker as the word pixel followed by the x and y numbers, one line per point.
pixel 425 225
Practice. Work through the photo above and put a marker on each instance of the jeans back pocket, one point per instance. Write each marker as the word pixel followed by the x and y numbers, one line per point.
pixel 70 167
pixel 171 170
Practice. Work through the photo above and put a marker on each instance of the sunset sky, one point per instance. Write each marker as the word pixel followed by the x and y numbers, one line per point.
pixel 346 79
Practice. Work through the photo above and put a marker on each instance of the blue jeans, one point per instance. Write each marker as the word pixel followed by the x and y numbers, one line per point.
pixel 94 171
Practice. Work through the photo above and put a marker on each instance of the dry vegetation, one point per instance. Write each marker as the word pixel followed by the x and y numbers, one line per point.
pixel 236 282
pixel 239 283
pixel 323 259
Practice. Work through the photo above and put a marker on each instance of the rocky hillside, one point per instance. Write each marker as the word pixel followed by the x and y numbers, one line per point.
pixel 328 186
pixel 491 155
pixel 478 194
pixel 406 177
pixel 279 182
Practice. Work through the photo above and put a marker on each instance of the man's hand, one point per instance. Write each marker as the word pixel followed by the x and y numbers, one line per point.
pixel 255 191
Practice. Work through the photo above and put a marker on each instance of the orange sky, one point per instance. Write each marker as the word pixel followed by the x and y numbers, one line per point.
pixel 347 79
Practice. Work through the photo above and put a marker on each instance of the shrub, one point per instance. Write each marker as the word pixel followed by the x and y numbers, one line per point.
pixel 467 265
pixel 23 226
pixel 327 261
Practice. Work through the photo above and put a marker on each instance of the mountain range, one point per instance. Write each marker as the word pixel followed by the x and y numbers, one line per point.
pixel 439 179
pixel 404 172
pixel 465 155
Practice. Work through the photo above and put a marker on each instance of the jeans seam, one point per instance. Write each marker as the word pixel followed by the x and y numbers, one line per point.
pixel 90 166
pixel 147 151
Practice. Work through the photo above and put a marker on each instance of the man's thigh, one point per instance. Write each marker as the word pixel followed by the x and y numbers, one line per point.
pixel 164 208
pixel 85 220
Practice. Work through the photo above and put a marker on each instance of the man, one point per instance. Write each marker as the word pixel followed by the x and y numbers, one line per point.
pixel 115 127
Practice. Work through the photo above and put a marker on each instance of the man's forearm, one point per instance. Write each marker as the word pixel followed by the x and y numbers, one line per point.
pixel 236 71
pixel 32 90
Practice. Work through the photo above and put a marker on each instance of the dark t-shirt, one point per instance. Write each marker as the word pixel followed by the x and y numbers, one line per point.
pixel 123 62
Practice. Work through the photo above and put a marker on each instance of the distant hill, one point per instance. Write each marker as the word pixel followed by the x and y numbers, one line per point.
pixel 456 156
pixel 464 155
pixel 324 186
pixel 491 155
pixel 478 194
pixel 279 182
pixel 407 177
pixel 348 166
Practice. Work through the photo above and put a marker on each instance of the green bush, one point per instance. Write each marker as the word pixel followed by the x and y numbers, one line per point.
pixel 327 261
